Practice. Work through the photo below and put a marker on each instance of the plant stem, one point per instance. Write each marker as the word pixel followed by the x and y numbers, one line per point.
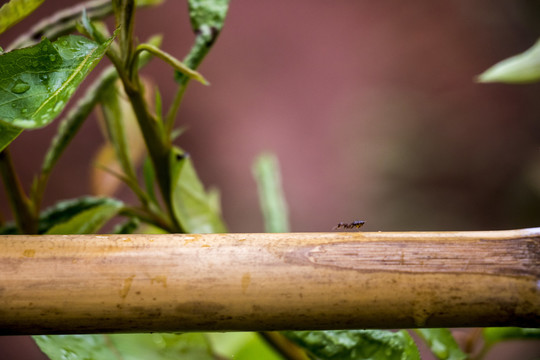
pixel 173 110
pixel 158 148
pixel 22 207
pixel 148 217
pixel 171 60
pixel 283 346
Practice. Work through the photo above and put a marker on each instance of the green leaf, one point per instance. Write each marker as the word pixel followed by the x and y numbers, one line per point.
pixel 357 344
pixel 118 114
pixel 519 69
pixel 65 21
pixel 16 10
pixel 96 30
pixel 72 122
pixel 36 82
pixel 271 196
pixel 442 344
pixel 9 229
pixel 85 215
pixel 128 227
pixel 8 133
pixel 127 347
pixel 193 208
pixel 207 19
pixel 149 178
pixel 158 105
pixel 494 335
pixel 241 346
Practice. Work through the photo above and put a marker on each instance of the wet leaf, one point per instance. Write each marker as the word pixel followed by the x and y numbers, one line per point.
pixel 85 215
pixel 207 19
pixel 127 347
pixel 442 344
pixel 357 344
pixel 71 123
pixel 193 207
pixel 36 82
pixel 519 69
pixel 14 11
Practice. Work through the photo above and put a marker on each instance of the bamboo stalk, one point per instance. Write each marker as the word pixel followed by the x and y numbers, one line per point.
pixel 220 282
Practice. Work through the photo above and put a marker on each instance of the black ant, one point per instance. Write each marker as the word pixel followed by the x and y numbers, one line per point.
pixel 354 225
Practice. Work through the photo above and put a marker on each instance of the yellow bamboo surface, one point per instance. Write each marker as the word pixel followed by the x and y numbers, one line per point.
pixel 221 282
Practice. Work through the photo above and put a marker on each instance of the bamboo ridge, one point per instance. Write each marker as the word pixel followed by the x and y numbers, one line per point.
pixel 253 282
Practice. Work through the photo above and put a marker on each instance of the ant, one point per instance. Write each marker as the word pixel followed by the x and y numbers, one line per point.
pixel 354 225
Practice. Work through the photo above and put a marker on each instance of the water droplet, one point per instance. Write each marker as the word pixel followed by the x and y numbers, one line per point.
pixel 24 111
pixel 20 87
pixel 13 105
pixel 43 77
pixel 52 57
pixel 64 42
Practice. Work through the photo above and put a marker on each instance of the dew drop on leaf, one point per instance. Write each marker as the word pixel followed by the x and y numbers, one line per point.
pixel 20 87
pixel 44 77
pixel 52 57
pixel 24 111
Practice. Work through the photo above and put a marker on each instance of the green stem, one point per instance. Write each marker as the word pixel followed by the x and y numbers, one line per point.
pixel 171 60
pixel 127 17
pixel 283 346
pixel 148 217
pixel 22 207
pixel 192 61
pixel 173 110
pixel 158 148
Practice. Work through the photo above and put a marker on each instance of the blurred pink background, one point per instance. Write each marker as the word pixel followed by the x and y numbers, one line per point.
pixel 371 107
